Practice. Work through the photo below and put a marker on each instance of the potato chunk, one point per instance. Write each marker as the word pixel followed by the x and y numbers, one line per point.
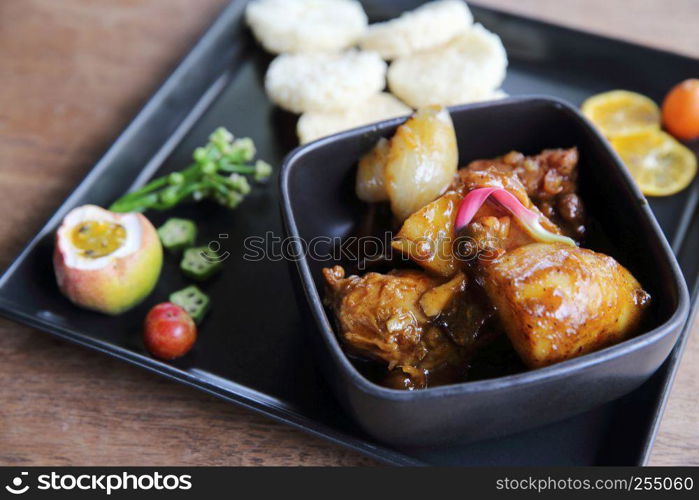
pixel 427 236
pixel 557 301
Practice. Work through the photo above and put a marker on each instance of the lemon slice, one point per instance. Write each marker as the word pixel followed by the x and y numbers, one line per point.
pixel 620 112
pixel 661 165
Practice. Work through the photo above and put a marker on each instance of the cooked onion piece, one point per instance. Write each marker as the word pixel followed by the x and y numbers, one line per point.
pixel 422 160
pixel 370 174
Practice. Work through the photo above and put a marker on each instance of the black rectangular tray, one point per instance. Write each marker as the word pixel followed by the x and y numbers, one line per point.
pixel 253 348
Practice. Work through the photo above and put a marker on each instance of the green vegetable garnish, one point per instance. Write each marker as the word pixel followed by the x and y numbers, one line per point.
pixel 218 173
pixel 192 300
pixel 177 234
pixel 200 263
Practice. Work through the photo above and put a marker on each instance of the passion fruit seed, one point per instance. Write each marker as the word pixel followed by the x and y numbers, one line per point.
pixel 96 239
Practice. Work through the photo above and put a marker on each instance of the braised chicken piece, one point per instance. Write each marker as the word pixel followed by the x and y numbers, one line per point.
pixel 544 176
pixel 493 230
pixel 487 175
pixel 428 238
pixel 550 180
pixel 388 317
pixel 559 301
pixel 379 314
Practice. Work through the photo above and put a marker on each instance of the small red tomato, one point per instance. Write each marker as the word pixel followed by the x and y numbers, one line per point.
pixel 169 332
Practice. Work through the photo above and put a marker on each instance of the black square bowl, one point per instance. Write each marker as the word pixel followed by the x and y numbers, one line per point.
pixel 318 200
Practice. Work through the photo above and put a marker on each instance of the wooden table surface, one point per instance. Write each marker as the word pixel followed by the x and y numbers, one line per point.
pixel 72 74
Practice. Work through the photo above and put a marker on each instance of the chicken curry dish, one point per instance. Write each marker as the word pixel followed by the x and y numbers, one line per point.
pixel 484 274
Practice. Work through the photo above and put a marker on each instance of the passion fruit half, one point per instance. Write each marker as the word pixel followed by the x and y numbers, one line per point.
pixel 105 261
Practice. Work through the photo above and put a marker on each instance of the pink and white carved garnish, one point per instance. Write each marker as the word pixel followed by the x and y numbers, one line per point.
pixel 530 220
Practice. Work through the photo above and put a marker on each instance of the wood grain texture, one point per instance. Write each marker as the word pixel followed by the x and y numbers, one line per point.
pixel 72 74
pixel 663 24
